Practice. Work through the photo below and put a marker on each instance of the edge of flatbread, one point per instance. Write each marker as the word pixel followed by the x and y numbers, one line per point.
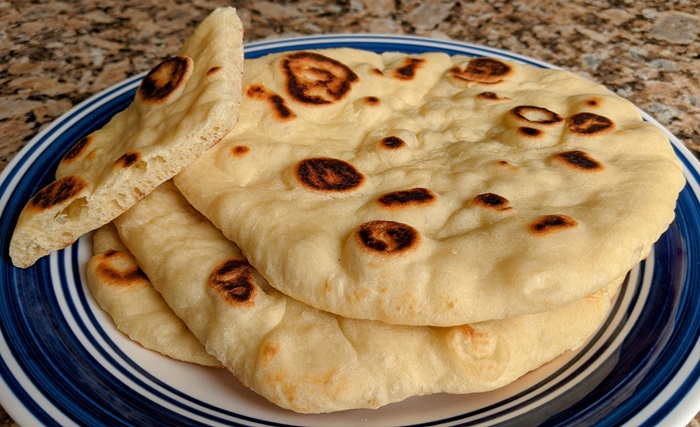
pixel 126 294
pixel 311 361
pixel 183 106
pixel 434 189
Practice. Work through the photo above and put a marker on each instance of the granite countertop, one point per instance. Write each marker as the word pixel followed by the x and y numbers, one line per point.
pixel 58 53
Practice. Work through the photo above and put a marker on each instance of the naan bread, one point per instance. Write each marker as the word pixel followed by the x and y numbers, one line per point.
pixel 434 190
pixel 312 361
pixel 122 290
pixel 184 105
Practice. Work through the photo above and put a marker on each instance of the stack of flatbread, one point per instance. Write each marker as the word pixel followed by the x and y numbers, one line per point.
pixel 374 226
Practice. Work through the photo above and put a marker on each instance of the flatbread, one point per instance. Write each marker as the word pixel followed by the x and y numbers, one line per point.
pixel 434 190
pixel 312 361
pixel 183 106
pixel 123 291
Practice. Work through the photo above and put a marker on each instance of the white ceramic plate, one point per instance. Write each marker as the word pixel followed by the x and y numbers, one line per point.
pixel 63 362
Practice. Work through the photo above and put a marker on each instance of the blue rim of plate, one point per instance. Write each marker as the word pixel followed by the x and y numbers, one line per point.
pixel 59 367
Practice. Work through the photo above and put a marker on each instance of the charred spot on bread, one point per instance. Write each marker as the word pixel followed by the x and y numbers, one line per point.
pixel 411 197
pixel 213 70
pixel 547 224
pixel 276 101
pixel 234 281
pixel 492 200
pixel 280 107
pixel 372 101
pixel 316 79
pixel 407 71
pixel 529 132
pixel 392 142
pixel 579 160
pixel 589 124
pixel 483 70
pixel 77 149
pixel 240 150
pixel 490 96
pixel 328 175
pixel 593 102
pixel 533 114
pixel 128 159
pixel 164 79
pixel 387 237
pixel 58 192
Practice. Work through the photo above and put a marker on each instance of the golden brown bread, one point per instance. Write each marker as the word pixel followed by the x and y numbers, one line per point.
pixel 432 189
pixel 312 361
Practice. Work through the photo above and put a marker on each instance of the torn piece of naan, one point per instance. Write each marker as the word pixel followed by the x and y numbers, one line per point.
pixel 182 107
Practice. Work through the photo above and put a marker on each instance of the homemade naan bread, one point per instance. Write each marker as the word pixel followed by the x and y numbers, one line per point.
pixel 434 190
pixel 183 106
pixel 122 290
pixel 312 361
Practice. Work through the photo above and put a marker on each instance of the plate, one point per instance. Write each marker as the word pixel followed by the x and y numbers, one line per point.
pixel 64 363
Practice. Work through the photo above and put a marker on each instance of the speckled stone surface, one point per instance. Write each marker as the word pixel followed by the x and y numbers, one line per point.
pixel 54 54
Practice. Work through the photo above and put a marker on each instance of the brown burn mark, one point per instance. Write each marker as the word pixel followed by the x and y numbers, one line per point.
pixel 490 96
pixel 482 70
pixel 492 200
pixel 278 104
pixel 77 149
pixel 407 71
pixel 234 281
pixel 58 192
pixel 589 124
pixel 280 107
pixel 579 160
pixel 126 274
pixel 387 237
pixel 392 142
pixel 240 150
pixel 412 197
pixel 529 132
pixel 256 92
pixel 328 174
pixel 550 223
pixel 507 165
pixel 316 79
pixel 377 72
pixel 593 102
pixel 533 114
pixel 164 79
pixel 128 159
pixel 372 101
pixel 213 70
